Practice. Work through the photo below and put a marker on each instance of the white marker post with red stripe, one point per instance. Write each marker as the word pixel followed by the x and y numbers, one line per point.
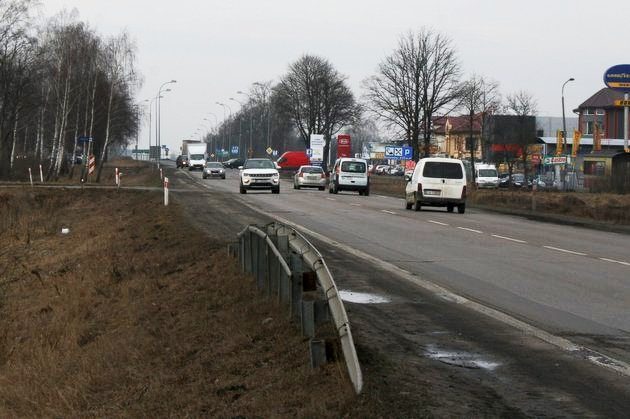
pixel 117 178
pixel 30 176
pixel 41 174
pixel 165 191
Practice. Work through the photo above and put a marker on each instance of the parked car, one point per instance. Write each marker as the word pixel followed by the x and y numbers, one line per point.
pixel 181 162
pixel 437 182
pixel 310 176
pixel 259 174
pixel 396 171
pixel 381 169
pixel 213 169
pixel 233 163
pixel 349 174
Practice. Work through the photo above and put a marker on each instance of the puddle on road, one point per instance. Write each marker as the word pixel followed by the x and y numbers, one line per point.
pixel 362 297
pixel 460 359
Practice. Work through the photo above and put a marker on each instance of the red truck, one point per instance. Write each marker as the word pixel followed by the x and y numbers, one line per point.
pixel 292 160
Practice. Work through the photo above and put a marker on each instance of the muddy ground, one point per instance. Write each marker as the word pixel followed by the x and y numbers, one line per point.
pixel 138 312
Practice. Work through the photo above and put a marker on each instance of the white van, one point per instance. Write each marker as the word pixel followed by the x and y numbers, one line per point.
pixel 349 174
pixel 437 182
pixel 486 176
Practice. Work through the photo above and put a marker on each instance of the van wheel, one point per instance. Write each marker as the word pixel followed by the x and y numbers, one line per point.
pixel 242 190
pixel 330 188
pixel 336 189
pixel 450 207
pixel 367 192
pixel 408 205
pixel 361 193
pixel 461 208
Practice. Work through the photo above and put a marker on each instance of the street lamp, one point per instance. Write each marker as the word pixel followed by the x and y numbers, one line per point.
pixel 229 124
pixel 265 88
pixel 240 128
pixel 159 126
pixel 564 122
pixel 251 124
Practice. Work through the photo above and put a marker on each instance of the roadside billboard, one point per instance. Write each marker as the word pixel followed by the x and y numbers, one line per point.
pixel 344 146
pixel 317 147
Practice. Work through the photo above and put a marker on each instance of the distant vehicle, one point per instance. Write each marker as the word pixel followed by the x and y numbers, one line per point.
pixel 349 174
pixel 293 160
pixel 233 163
pixel 197 154
pixel 396 170
pixel 381 169
pixel 437 182
pixel 486 176
pixel 213 169
pixel 259 174
pixel 181 162
pixel 184 146
pixel 310 176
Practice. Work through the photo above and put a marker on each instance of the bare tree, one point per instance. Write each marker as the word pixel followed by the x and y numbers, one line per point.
pixel 524 107
pixel 417 81
pixel 317 99
pixel 478 97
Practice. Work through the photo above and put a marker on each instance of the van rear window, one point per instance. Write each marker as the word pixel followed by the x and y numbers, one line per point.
pixel 353 166
pixel 443 170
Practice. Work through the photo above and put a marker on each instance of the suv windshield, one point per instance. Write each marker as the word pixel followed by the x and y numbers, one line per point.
pixel 353 166
pixel 259 164
pixel 443 170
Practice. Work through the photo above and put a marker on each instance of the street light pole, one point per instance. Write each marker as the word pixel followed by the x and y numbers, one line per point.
pixel 240 128
pixel 251 124
pixel 229 125
pixel 564 122
pixel 159 122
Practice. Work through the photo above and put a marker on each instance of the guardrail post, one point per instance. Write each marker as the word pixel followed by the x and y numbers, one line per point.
pixel 249 261
pixel 295 263
pixel 254 250
pixel 308 318
pixel 262 262
pixel 318 352
pixel 322 312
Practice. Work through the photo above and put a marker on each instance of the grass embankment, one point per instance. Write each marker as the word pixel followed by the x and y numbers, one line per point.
pixel 134 313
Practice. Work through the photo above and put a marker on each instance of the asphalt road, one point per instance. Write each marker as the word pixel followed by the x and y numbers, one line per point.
pixel 569 281
pixel 521 269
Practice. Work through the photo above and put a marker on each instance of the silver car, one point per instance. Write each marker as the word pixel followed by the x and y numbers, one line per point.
pixel 213 169
pixel 310 176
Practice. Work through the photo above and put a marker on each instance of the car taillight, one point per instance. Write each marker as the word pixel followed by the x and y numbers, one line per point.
pixel 464 192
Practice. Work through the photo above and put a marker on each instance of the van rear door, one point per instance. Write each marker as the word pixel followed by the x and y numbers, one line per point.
pixel 445 177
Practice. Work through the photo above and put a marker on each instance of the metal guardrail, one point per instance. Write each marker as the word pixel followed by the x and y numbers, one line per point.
pixel 280 259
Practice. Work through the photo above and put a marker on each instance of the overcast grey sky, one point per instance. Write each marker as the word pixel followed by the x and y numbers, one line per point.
pixel 215 48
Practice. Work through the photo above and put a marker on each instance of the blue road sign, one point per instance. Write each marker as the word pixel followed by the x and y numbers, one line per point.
pixel 84 139
pixel 398 153
pixel 234 149
pixel 618 77
pixel 309 152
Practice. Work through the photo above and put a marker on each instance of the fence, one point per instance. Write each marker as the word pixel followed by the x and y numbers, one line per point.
pixel 288 267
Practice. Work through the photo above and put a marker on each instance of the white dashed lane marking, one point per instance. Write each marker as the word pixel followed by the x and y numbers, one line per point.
pixel 437 222
pixel 508 238
pixel 471 229
pixel 615 261
pixel 565 250
pixel 388 212
pixel 356 205
pixel 331 199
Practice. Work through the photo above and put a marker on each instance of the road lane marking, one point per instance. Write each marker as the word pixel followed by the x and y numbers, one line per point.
pixel 615 261
pixel 508 238
pixel 471 229
pixel 437 222
pixel 331 199
pixel 388 212
pixel 573 252
pixel 382 196
pixel 356 205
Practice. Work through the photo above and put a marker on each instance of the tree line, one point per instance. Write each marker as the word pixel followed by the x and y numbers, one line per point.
pixel 64 89
pixel 418 81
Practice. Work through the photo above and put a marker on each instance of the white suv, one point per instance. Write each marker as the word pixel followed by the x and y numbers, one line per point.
pixel 259 174
pixel 350 175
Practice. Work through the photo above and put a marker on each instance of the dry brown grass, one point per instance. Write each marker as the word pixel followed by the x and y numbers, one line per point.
pixel 135 314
